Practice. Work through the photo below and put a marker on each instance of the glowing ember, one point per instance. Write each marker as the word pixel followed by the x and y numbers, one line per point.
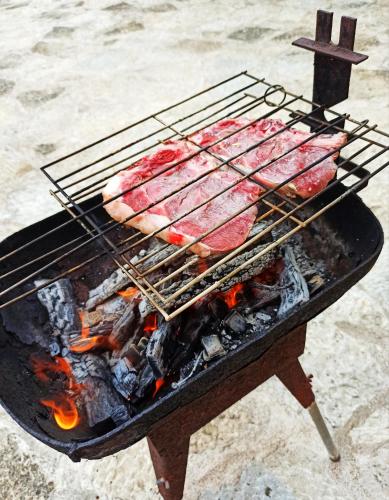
pixel 160 382
pixel 128 293
pixel 150 323
pixel 202 266
pixel 86 344
pixel 64 411
pixel 85 329
pixel 43 367
pixel 231 296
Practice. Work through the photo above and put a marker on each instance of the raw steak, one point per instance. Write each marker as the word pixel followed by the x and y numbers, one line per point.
pixel 304 185
pixel 193 225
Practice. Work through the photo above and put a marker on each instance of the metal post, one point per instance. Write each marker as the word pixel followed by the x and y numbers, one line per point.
pixel 323 431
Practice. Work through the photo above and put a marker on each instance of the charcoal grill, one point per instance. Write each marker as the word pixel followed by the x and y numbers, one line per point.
pixel 56 246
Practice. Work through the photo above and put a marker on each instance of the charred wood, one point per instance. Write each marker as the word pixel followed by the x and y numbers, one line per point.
pixel 146 379
pixel 125 378
pixel 119 278
pixel 218 308
pixel 115 282
pixel 235 322
pixel 100 399
pixel 245 274
pixel 212 347
pixel 155 354
pixel 58 299
pixel 195 326
pixel 262 297
pixel 121 330
pixel 295 290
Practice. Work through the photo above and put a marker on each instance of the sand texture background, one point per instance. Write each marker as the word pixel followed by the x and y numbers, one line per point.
pixel 72 71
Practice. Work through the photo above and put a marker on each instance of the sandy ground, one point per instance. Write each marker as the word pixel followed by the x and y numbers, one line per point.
pixel 71 71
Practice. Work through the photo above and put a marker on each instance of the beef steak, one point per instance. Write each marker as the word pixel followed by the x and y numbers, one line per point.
pixel 162 178
pixel 305 185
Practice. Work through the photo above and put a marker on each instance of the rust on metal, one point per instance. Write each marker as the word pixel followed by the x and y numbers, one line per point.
pixel 332 62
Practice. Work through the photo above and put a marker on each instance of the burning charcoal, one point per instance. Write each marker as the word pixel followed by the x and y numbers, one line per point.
pixel 121 329
pixel 218 308
pixel 100 398
pixel 155 348
pixel 145 307
pixel 257 228
pixel 115 282
pixel 145 381
pixel 112 308
pixel 101 402
pixel 125 378
pixel 245 274
pixel 263 317
pixel 212 347
pixel 195 325
pixel 263 297
pixel 295 291
pixel 259 321
pixel 92 318
pixel 119 279
pixel 132 354
pixel 104 328
pixel 142 344
pixel 235 322
pixel 55 348
pixel 59 301
pixel 88 344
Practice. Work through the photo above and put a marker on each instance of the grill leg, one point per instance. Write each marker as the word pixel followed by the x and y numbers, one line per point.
pixel 295 380
pixel 324 432
pixel 169 454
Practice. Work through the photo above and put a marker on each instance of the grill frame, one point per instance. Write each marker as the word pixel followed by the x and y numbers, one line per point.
pixel 287 208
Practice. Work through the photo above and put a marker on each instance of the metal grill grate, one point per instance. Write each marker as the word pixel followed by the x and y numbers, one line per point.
pixel 79 175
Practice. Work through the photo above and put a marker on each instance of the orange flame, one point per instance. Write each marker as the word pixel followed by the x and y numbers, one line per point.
pixel 128 293
pixel 150 323
pixel 230 297
pixel 98 341
pixel 85 329
pixel 65 412
pixel 42 367
pixel 160 382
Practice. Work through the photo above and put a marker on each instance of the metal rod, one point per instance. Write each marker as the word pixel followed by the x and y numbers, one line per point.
pixel 161 130
pixel 247 107
pixel 132 125
pixel 324 432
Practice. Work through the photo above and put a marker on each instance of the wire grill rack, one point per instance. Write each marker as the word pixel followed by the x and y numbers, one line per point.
pixel 82 174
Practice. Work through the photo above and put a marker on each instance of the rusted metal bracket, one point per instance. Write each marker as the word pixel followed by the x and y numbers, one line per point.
pixel 332 63
pixel 169 439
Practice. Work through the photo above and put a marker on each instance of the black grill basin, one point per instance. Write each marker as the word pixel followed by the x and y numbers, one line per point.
pixel 349 225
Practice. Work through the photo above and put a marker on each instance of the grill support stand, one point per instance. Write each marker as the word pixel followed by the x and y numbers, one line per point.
pixel 332 63
pixel 169 439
